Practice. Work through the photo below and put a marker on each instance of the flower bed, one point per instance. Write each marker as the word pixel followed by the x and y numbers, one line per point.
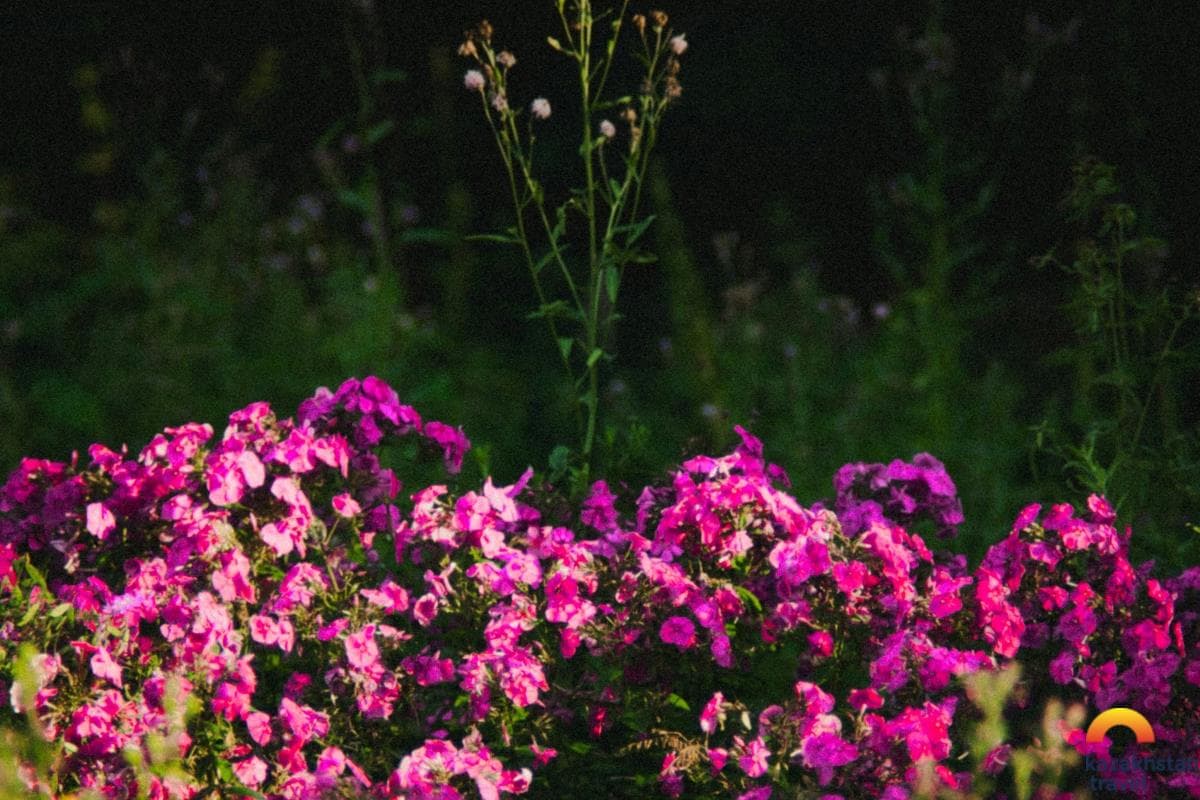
pixel 275 613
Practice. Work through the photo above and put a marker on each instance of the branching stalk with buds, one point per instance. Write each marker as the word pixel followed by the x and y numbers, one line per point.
pixel 577 250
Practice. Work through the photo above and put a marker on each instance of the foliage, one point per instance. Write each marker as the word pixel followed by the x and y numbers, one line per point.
pixel 1122 431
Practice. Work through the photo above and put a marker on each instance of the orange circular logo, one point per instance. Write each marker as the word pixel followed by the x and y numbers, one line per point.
pixel 1121 717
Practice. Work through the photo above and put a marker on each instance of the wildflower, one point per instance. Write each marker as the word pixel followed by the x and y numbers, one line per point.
pixel 678 44
pixel 499 102
pixel 540 108
pixel 506 59
pixel 473 80
pixel 607 129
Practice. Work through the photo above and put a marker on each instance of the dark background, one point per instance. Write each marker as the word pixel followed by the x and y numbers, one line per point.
pixel 157 264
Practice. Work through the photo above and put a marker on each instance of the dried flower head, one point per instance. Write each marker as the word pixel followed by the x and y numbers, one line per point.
pixel 660 18
pixel 499 102
pixel 678 44
pixel 607 129
pixel 639 22
pixel 629 114
pixel 540 108
pixel 473 81
pixel 485 30
pixel 674 88
pixel 467 48
pixel 506 59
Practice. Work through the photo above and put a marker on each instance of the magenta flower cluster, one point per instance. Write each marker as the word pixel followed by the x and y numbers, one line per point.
pixel 340 634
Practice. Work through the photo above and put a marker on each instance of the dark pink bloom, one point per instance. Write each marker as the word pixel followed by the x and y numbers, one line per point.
pixel 678 631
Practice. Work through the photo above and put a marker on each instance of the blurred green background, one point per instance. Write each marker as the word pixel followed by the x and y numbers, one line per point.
pixel 203 206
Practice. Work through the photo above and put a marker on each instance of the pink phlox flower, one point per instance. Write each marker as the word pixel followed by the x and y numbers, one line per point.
pixel 346 506
pixel 758 793
pixel 825 751
pixel 599 509
pixel 754 756
pixel 361 650
pixel 100 521
pixel 305 723
pixel 679 631
pixel 251 771
pixel 453 442
pixel 390 596
pixel 713 713
pixel 259 726
pixel 425 609
pixel 232 581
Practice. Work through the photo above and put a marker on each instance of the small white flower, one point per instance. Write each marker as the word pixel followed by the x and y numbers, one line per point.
pixel 540 108
pixel 678 44
pixel 473 80
pixel 607 129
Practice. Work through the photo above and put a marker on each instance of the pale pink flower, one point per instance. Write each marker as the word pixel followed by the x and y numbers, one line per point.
pixel 100 521
pixel 540 108
pixel 473 80
pixel 346 506
pixel 678 44
pixel 607 129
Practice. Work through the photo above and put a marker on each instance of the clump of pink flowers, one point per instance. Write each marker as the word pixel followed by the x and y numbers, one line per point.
pixel 340 628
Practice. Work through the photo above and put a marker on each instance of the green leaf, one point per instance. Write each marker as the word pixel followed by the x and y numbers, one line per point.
pixel 559 457
pixel 564 344
pixel 612 281
pixel 634 230
pixel 594 356
pixel 59 610
pixel 541 263
pixel 35 575
pixel 748 598
pixel 557 308
pixel 30 613
pixel 500 238
pixel 677 701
